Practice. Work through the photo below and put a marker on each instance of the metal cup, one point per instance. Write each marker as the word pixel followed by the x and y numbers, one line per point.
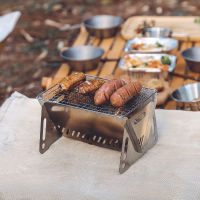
pixel 187 97
pixel 159 32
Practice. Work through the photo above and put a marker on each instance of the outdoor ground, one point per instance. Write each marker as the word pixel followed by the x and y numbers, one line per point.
pixel 37 39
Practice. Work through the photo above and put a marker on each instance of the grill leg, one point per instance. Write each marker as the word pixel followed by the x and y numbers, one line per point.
pixel 49 132
pixel 130 151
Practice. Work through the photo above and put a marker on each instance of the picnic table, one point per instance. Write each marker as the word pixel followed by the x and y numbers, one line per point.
pixel 114 49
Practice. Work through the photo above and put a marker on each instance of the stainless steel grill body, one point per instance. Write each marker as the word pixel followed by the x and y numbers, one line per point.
pixel 131 130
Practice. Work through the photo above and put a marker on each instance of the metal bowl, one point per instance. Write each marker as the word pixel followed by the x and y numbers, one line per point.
pixel 192 58
pixel 188 97
pixel 159 32
pixel 82 58
pixel 103 26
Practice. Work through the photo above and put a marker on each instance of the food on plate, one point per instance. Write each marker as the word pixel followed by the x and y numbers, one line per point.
pixel 72 81
pixel 146 47
pixel 90 86
pixel 197 20
pixel 158 45
pixel 144 25
pixel 147 62
pixel 155 84
pixel 106 90
pixel 166 60
pixel 125 93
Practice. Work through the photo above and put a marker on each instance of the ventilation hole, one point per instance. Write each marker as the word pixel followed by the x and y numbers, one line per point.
pixel 43 145
pixel 123 165
pixel 126 145
pixel 44 129
pixel 87 137
pixel 68 131
pixel 73 132
pixel 78 134
pixel 63 130
pixel 141 140
pixel 83 136
pixel 99 139
pixel 111 141
pixel 124 156
pixel 94 137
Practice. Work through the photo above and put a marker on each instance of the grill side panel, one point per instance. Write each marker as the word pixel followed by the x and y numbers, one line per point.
pixel 90 127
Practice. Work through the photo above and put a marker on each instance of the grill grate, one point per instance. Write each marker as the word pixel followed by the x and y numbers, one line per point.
pixel 86 102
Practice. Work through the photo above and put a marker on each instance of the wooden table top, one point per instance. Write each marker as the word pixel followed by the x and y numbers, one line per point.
pixel 113 48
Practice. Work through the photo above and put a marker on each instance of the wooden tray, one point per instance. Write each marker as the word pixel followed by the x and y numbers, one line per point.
pixel 184 28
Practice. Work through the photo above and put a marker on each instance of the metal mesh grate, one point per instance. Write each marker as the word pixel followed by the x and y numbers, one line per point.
pixel 86 102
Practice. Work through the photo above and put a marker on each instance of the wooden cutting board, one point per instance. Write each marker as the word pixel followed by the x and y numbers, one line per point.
pixel 183 27
pixel 164 94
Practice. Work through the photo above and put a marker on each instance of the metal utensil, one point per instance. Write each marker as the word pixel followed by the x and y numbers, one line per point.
pixel 103 26
pixel 187 97
pixel 159 32
pixel 192 58
pixel 82 58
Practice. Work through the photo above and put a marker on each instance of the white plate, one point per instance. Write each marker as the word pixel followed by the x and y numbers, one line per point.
pixel 146 58
pixel 168 45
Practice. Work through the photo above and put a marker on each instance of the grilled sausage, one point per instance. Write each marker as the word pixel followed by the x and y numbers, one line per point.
pixel 72 81
pixel 125 93
pixel 106 90
pixel 90 86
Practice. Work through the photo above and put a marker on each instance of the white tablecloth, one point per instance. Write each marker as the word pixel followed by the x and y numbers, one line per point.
pixel 78 171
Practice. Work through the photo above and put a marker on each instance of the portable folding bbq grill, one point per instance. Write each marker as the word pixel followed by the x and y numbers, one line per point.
pixel 130 129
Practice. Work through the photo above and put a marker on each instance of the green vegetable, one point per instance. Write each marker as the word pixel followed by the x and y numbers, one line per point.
pixel 197 20
pixel 134 66
pixel 166 60
pixel 145 63
pixel 158 44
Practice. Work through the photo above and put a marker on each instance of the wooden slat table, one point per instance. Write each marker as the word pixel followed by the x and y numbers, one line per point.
pixel 113 48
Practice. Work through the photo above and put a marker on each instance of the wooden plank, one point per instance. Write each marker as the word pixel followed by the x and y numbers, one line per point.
pixel 94 72
pixel 82 38
pixel 115 53
pixel 107 69
pixel 105 45
pixel 45 81
pixel 117 48
pixel 61 73
pixel 48 83
pixel 94 41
